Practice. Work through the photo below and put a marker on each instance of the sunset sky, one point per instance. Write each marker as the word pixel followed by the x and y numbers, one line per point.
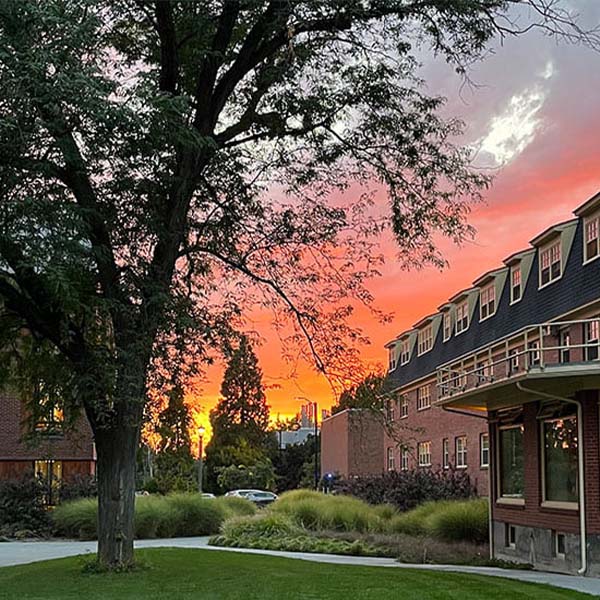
pixel 534 113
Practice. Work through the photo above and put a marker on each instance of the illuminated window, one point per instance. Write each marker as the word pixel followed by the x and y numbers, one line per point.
pixel 487 302
pixel 404 352
pixel 424 454
pixel 462 317
pixel 391 459
pixel 445 453
pixel 515 283
pixel 50 418
pixel 484 448
pixel 424 397
pixel 425 340
pixel 550 264
pixel 447 326
pixel 591 248
pixel 461 452
pixel 49 473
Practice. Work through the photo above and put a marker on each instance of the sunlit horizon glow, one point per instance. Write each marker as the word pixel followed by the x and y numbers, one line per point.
pixel 533 118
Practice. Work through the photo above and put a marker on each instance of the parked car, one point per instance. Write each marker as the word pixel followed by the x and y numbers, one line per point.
pixel 259 497
pixel 207 495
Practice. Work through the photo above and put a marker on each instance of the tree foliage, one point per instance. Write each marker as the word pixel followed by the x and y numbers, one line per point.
pixel 165 166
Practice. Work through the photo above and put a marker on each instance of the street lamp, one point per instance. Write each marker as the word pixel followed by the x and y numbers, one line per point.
pixel 201 431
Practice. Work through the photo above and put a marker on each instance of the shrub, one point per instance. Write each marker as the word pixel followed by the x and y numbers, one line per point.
pixel 407 489
pixel 155 516
pixel 446 520
pixel 458 521
pixel 79 486
pixel 317 511
pixel 22 505
pixel 234 506
pixel 265 524
pixel 77 519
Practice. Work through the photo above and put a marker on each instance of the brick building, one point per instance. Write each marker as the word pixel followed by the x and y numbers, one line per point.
pixel 352 443
pixel 51 454
pixel 522 348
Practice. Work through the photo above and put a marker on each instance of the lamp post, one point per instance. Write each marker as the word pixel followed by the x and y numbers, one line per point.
pixel 201 431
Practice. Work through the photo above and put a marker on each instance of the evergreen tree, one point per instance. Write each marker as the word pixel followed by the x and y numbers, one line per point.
pixel 242 412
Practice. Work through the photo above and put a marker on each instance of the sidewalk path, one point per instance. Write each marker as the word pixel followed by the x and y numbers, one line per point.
pixel 17 553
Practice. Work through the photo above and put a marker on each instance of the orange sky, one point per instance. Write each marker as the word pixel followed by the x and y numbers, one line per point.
pixel 534 115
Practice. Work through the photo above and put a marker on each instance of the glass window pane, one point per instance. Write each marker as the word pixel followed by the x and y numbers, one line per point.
pixel 560 453
pixel 511 462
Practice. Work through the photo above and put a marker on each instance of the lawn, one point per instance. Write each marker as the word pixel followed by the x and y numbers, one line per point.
pixel 182 574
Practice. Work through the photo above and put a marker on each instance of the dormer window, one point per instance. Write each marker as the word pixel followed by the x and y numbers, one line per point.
pixel 515 283
pixel 404 351
pixel 393 358
pixel 591 244
pixel 487 302
pixel 462 317
pixel 447 326
pixel 550 263
pixel 425 340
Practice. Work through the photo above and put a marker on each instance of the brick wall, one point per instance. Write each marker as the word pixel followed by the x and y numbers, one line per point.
pixel 74 445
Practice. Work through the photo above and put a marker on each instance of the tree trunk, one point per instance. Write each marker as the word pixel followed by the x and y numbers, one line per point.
pixel 116 450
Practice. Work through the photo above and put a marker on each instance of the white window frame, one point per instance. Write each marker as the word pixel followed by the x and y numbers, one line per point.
pixel 515 270
pixel 591 225
pixel 424 454
pixel 391 459
pixel 393 358
pixel 425 340
pixel 591 336
pixel 404 352
pixel 462 321
pixel 424 397
pixel 487 302
pixel 404 406
pixel 504 499
pixel 447 325
pixel 404 457
pixel 460 448
pixel 552 251
pixel 484 448
pixel 534 356
pixel 445 453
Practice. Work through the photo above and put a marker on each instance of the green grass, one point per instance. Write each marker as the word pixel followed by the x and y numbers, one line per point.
pixel 210 575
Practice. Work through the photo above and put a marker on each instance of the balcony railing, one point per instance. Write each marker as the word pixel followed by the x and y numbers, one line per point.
pixel 536 348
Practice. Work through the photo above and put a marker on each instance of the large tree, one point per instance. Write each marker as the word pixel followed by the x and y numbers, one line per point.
pixel 156 154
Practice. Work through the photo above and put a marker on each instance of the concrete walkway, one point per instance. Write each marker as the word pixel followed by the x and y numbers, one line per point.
pixel 18 553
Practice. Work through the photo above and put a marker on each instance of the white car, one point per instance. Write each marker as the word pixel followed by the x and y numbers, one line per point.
pixel 259 497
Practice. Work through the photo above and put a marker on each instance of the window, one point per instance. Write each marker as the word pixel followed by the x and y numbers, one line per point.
pixel 403 407
pixel 462 317
pixel 592 340
pixel 447 326
pixel 461 452
pixel 49 473
pixel 511 480
pixel 404 459
pixel 487 302
pixel 591 247
pixel 445 453
pixel 510 536
pixel 534 354
pixel 424 453
pixel 484 450
pixel 484 372
pixel 50 418
pixel 513 361
pixel 404 352
pixel 390 410
pixel 550 265
pixel 392 358
pixel 565 343
pixel 560 544
pixel 391 459
pixel 560 459
pixel 425 340
pixel 515 283
pixel 424 397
